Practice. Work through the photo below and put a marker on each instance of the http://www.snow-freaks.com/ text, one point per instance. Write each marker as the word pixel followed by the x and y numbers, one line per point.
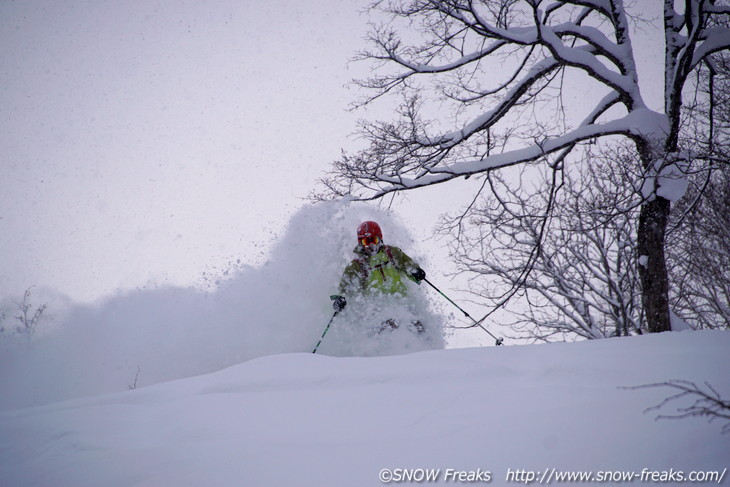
pixel 549 476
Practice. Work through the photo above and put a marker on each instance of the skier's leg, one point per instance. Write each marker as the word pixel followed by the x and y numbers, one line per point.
pixel 418 326
pixel 388 324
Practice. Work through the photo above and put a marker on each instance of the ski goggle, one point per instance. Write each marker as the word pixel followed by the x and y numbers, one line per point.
pixel 370 240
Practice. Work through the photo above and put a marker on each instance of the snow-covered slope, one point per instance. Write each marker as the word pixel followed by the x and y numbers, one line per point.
pixel 313 420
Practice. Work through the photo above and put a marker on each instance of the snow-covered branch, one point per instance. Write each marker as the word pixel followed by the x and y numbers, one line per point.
pixel 630 125
pixel 504 83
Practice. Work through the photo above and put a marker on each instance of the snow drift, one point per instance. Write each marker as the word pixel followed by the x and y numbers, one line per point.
pixel 156 335
pixel 309 420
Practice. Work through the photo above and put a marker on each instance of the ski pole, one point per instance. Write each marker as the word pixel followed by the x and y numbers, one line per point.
pixel 498 342
pixel 325 332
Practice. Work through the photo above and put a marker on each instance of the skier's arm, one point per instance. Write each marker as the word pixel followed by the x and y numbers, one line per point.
pixel 350 279
pixel 338 300
pixel 407 265
pixel 350 283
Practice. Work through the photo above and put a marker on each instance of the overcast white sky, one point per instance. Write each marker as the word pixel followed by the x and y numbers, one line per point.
pixel 147 141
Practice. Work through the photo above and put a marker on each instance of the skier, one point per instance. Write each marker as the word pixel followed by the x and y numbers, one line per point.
pixel 378 269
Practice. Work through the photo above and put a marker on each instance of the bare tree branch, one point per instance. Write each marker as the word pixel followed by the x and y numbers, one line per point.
pixel 500 66
pixel 706 402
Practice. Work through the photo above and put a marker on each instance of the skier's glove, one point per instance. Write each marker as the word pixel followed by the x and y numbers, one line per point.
pixel 418 274
pixel 338 303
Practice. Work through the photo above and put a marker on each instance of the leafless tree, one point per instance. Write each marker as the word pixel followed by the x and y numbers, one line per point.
pixel 27 316
pixel 530 81
pixel 699 236
pixel 700 253
pixel 583 281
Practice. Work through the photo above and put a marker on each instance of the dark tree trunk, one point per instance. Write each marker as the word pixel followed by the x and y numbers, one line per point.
pixel 652 264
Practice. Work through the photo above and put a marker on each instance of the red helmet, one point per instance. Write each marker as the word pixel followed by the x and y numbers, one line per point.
pixel 369 232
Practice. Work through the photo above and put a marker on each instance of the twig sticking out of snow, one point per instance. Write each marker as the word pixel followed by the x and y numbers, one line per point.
pixel 707 402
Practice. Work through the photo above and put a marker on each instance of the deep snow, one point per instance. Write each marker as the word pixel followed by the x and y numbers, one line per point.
pixel 313 420
pixel 160 334
pixel 227 391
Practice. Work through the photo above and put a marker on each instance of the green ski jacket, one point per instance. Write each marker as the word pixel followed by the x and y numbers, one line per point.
pixel 381 272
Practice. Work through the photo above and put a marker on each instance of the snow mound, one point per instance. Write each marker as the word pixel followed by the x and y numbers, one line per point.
pixel 156 335
pixel 310 420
